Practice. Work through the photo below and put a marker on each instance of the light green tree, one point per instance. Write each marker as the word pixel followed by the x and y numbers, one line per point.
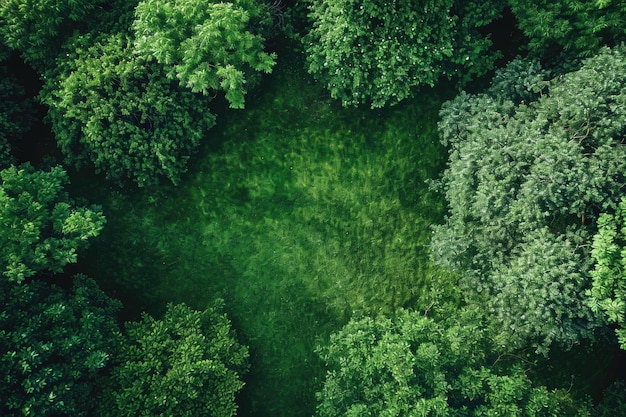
pixel 412 365
pixel 379 52
pixel 41 228
pixel 113 109
pixel 607 296
pixel 186 364
pixel 207 46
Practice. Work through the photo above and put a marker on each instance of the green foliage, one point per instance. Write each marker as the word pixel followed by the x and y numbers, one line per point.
pixel 111 16
pixel 205 45
pixel 412 365
pixel 37 28
pixel 376 53
pixel 575 26
pixel 53 345
pixel 608 292
pixel 117 111
pixel 41 229
pixel 521 81
pixel 524 181
pixel 187 364
pixel 537 292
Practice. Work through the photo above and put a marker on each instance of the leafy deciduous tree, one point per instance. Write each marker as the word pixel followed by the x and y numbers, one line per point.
pixel 576 26
pixel 186 364
pixel 37 28
pixel 412 365
pixel 53 345
pixel 379 52
pixel 526 176
pixel 111 108
pixel 205 45
pixel 41 228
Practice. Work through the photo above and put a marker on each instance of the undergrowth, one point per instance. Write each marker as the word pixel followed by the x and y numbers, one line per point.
pixel 300 214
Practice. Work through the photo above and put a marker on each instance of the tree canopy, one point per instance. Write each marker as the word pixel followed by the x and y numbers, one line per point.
pixel 53 346
pixel 41 228
pixel 532 162
pixel 379 52
pixel 413 365
pixel 577 27
pixel 37 28
pixel 208 46
pixel 186 364
pixel 54 343
pixel 300 211
pixel 115 110
pixel 608 290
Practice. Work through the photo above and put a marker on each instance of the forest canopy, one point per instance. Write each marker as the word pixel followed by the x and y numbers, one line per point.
pixel 413 365
pixel 205 45
pixel 607 295
pixel 41 228
pixel 377 52
pixel 576 27
pixel 54 344
pixel 117 111
pixel 186 364
pixel 532 163
pixel 305 214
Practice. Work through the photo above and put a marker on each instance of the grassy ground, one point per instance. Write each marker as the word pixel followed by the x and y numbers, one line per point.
pixel 299 214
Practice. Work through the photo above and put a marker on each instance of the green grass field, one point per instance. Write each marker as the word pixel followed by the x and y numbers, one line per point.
pixel 300 214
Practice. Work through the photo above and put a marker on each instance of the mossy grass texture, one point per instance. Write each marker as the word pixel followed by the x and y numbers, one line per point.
pixel 299 214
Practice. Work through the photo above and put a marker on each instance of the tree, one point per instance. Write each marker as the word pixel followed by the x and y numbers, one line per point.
pixel 205 45
pixel 532 162
pixel 41 228
pixel 186 364
pixel 378 52
pixel 537 293
pixel 578 27
pixel 412 365
pixel 53 345
pixel 111 108
pixel 37 28
pixel 607 296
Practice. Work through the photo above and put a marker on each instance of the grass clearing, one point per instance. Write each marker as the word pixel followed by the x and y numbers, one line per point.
pixel 300 215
